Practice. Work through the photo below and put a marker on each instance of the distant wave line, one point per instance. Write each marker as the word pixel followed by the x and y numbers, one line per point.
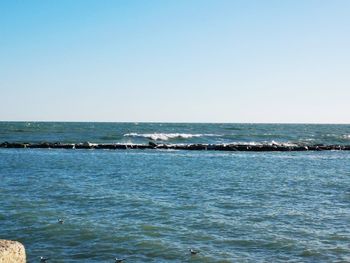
pixel 167 136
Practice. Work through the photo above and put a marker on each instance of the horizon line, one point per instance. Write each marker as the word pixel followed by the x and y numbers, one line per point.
pixel 179 122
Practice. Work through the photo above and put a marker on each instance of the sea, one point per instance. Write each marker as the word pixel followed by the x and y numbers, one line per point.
pixel 154 205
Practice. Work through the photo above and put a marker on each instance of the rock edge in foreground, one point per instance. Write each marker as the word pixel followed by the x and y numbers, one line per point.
pixel 12 252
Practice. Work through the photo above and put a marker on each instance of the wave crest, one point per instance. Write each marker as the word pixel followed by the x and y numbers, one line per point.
pixel 166 136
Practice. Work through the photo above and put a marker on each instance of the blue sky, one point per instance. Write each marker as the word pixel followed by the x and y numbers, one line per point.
pixel 175 61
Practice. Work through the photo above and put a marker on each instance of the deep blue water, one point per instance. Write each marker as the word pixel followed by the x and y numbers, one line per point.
pixel 152 205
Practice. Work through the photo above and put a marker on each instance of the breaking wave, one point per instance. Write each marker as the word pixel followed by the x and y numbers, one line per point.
pixel 263 143
pixel 167 136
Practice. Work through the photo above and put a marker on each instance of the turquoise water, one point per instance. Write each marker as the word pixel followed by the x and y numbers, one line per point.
pixel 152 205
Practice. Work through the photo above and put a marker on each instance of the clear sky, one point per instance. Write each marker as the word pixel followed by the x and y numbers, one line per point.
pixel 175 61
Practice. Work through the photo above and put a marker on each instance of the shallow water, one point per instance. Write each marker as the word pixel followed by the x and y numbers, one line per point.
pixel 152 205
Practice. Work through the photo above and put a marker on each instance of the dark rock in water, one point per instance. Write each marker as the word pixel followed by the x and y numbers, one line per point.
pixel 4 144
pixel 319 144
pixel 67 146
pixel 16 145
pixel 339 147
pixel 192 147
pixel 236 147
pixel 299 148
pixel 180 147
pixel 142 146
pixel 315 148
pixel 159 146
pixel 264 148
pixel 230 147
pixel 81 146
pixel 106 146
pixel 43 259
pixel 196 147
pixel 121 146
pixel 133 146
pixel 45 145
pixel 210 147
pixel 85 145
pixel 152 144
pixel 219 147
pixel 58 145
pixel 37 145
pixel 164 146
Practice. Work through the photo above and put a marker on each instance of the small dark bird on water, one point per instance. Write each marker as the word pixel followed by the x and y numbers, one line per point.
pixel 60 221
pixel 119 260
pixel 43 259
pixel 193 252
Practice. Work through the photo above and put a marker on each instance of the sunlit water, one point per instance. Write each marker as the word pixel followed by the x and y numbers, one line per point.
pixel 153 205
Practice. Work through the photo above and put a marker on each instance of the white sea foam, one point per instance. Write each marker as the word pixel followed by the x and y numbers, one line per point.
pixel 254 143
pixel 167 136
pixel 282 143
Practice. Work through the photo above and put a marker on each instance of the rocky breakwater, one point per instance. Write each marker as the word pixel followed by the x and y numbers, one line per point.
pixel 12 252
pixel 192 147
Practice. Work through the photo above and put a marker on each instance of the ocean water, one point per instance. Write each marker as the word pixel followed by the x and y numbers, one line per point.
pixel 173 133
pixel 153 205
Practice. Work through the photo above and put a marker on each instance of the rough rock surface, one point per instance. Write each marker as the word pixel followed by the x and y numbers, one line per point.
pixel 193 147
pixel 12 252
